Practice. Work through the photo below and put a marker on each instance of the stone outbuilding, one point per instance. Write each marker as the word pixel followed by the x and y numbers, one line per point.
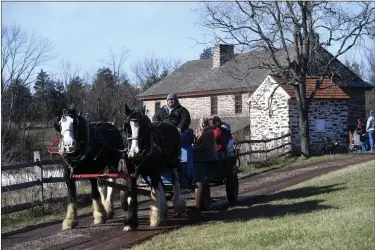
pixel 275 115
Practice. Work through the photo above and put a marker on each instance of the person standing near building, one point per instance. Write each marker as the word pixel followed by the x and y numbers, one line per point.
pixel 361 131
pixel 370 128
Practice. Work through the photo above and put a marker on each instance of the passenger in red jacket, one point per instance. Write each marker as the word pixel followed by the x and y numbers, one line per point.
pixel 222 136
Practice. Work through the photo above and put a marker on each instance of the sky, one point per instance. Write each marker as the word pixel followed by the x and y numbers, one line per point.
pixel 83 32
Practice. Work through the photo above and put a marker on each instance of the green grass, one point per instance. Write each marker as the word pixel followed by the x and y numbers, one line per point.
pixel 335 211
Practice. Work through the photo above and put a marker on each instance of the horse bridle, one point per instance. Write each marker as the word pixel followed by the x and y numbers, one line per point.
pixel 76 134
pixel 75 119
pixel 139 138
pixel 129 139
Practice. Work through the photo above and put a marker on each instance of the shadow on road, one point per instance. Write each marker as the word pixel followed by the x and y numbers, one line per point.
pixel 257 207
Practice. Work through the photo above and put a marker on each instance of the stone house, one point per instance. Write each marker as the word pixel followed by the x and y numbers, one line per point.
pixel 277 115
pixel 227 85
pixel 205 87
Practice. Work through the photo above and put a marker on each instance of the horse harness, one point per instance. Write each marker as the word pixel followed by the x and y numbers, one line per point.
pixel 148 150
pixel 72 160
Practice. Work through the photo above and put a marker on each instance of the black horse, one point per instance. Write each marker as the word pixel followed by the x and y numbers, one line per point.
pixel 151 149
pixel 88 148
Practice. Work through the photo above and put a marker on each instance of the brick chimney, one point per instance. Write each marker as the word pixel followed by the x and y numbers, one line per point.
pixel 222 53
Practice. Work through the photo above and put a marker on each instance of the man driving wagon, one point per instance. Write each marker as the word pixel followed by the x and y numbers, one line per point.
pixel 173 113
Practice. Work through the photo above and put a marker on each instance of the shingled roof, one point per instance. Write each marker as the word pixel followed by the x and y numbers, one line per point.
pixel 242 73
pixel 327 90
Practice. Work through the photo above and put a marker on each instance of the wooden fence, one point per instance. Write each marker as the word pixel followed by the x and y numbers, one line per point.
pixel 257 151
pixel 39 166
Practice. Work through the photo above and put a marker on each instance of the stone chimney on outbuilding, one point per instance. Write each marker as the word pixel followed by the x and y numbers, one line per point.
pixel 222 53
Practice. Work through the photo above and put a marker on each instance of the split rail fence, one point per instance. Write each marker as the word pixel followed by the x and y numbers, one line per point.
pixel 263 152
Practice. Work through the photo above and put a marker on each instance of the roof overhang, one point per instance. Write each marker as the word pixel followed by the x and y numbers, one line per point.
pixel 236 122
pixel 194 94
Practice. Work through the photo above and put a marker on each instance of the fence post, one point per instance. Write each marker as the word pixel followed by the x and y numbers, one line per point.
pixel 265 146
pixel 274 151
pixel 282 147
pixel 39 172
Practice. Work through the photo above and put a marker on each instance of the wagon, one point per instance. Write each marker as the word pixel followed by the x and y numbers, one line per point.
pixel 198 177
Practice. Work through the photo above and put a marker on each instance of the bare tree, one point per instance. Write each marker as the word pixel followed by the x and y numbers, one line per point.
pixel 67 72
pixel 21 54
pixel 116 62
pixel 370 95
pixel 286 33
pixel 150 70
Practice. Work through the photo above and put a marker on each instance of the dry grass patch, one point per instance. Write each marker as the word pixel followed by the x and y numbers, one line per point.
pixel 286 162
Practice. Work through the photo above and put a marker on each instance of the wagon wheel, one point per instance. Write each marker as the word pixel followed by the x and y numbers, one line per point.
pixel 202 195
pixel 231 186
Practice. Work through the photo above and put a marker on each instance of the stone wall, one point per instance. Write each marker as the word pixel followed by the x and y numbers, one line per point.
pixel 269 119
pixel 201 106
pixel 334 115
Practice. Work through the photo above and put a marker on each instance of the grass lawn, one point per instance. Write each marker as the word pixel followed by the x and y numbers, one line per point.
pixel 335 211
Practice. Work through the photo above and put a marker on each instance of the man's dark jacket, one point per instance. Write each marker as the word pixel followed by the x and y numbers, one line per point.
pixel 179 117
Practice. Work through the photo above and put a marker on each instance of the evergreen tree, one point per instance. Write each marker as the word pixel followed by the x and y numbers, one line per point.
pixel 207 53
pixel 49 96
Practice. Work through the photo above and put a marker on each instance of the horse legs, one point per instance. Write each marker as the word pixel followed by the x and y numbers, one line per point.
pixel 98 208
pixel 107 201
pixel 131 204
pixel 158 207
pixel 179 203
pixel 70 220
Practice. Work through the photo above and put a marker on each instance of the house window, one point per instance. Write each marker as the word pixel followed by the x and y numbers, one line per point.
pixel 213 105
pixel 157 106
pixel 238 104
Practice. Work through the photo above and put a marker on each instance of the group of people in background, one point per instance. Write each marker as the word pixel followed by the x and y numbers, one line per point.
pixel 364 134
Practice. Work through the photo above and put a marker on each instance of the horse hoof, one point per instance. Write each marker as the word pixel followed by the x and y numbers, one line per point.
pixel 98 221
pixel 69 224
pixel 128 228
pixel 179 206
pixel 110 215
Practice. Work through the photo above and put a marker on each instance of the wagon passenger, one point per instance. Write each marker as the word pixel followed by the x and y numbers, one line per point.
pixel 222 136
pixel 173 113
pixel 204 151
pixel 205 146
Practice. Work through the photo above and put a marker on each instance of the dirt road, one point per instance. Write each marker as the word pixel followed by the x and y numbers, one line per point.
pixel 111 236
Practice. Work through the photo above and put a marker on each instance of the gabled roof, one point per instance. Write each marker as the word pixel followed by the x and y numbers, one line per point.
pixel 242 73
pixel 327 90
